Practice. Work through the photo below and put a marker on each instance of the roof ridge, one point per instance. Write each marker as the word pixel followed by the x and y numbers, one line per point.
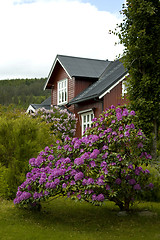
pixel 59 55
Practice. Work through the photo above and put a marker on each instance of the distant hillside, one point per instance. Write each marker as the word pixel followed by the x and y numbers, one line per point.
pixel 22 92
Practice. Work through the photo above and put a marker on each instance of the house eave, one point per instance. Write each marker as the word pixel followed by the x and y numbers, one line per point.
pixel 112 86
pixel 51 71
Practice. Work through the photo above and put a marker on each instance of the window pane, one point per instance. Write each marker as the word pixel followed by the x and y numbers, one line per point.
pixel 84 119
pixel 87 118
pixel 91 117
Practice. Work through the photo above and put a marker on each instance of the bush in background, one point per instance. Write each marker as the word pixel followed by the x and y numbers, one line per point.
pixel 21 138
pixel 62 123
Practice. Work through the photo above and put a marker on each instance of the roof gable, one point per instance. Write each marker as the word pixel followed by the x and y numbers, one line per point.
pixel 79 67
pixel 112 74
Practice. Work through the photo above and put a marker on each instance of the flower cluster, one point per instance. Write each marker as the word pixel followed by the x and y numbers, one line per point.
pixel 104 164
pixel 62 122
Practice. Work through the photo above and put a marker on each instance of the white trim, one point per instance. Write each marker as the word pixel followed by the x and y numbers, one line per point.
pixel 86 119
pixel 108 90
pixel 66 87
pixel 30 108
pixel 51 71
pixel 85 111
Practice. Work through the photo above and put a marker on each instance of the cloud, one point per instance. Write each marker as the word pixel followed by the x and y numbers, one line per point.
pixel 33 32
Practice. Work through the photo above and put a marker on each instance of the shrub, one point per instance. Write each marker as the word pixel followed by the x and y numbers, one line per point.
pixel 105 164
pixel 21 138
pixel 62 123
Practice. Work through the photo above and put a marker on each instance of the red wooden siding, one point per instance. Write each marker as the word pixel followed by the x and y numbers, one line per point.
pixel 57 75
pixel 97 109
pixel 114 97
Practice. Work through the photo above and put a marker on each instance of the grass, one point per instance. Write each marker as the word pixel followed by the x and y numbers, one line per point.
pixel 63 219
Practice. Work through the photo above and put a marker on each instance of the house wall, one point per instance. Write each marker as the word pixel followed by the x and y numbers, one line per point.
pixel 97 109
pixel 114 97
pixel 57 75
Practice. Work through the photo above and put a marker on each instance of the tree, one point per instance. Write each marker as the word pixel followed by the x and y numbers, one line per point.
pixel 140 35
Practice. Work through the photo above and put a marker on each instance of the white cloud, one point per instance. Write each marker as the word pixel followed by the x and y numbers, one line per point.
pixel 34 32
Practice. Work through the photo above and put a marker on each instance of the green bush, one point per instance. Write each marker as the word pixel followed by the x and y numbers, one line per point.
pixel 21 137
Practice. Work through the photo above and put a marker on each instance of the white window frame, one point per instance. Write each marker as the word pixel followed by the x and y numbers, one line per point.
pixel 86 118
pixel 62 92
pixel 124 88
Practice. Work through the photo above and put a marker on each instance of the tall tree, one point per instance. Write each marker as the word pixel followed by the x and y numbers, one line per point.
pixel 140 34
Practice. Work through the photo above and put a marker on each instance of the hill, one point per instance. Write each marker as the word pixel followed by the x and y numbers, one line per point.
pixel 22 92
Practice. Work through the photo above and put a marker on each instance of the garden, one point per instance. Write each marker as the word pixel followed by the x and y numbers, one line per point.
pixel 101 186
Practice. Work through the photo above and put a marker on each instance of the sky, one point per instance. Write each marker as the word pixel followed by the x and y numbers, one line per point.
pixel 33 32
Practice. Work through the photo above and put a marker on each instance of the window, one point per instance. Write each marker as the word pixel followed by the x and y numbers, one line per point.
pixel 86 120
pixel 124 88
pixel 62 92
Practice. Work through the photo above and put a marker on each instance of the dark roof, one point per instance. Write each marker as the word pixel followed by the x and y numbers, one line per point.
pixel 45 104
pixel 112 74
pixel 80 67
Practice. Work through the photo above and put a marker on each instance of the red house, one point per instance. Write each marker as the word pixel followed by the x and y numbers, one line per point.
pixel 86 87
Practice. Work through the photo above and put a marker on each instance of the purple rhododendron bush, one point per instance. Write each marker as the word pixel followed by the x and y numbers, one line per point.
pixel 105 164
pixel 62 123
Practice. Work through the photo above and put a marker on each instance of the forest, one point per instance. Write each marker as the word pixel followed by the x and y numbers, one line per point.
pixel 22 92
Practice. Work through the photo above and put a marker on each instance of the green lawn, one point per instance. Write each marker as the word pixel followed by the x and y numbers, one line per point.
pixel 63 219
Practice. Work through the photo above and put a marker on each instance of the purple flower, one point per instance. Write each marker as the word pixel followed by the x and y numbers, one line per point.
pixel 79 161
pixel 90 181
pixel 72 183
pixel 132 181
pixel 119 116
pixel 127 134
pixel 140 145
pixel 100 182
pixel 140 133
pixel 105 156
pixel 93 164
pixel 118 181
pixel 94 154
pixel 130 166
pixel 137 187
pixel 79 196
pixel 107 187
pixel 120 128
pixel 84 182
pixel 103 164
pixel 94 197
pixel 109 130
pixel 50 157
pixel 151 185
pixel 64 185
pixel 132 113
pixel 78 176
pixel 100 197
pixel 125 112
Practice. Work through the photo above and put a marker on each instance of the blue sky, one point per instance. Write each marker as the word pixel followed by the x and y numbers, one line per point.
pixel 107 5
pixel 33 32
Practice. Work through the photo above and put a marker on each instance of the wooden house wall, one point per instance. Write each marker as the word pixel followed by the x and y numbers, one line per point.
pixel 97 109
pixel 114 97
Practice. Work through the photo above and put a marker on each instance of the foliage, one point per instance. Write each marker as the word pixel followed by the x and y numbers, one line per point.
pixel 22 92
pixel 62 123
pixel 140 34
pixel 153 195
pixel 21 137
pixel 104 164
